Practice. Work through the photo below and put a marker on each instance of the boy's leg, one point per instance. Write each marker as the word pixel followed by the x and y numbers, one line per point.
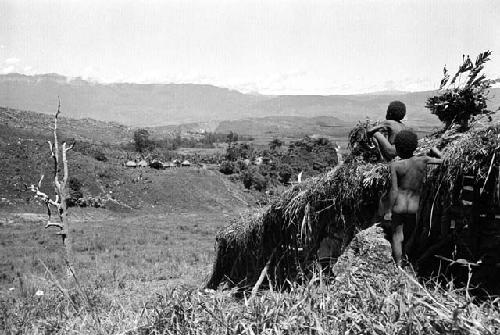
pixel 397 238
pixel 409 232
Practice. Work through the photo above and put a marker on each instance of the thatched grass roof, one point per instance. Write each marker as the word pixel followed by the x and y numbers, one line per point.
pixel 286 234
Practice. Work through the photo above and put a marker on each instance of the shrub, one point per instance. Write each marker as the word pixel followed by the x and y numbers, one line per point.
pixel 100 156
pixel 259 181
pixel 464 95
pixel 285 172
pixel 227 167
pixel 141 140
pixel 252 177
pixel 75 192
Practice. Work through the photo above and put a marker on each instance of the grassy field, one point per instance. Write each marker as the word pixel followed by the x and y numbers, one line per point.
pixel 144 274
pixel 123 262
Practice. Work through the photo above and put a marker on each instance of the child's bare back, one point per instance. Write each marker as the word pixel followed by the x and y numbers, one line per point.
pixel 407 180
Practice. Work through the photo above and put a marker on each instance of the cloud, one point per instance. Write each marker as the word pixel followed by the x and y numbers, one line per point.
pixel 12 61
pixel 8 69
pixel 28 70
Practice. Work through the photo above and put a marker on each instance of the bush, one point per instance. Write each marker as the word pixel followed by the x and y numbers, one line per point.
pixel 141 140
pixel 227 167
pixel 464 95
pixel 100 156
pixel 75 192
pixel 285 173
pixel 252 177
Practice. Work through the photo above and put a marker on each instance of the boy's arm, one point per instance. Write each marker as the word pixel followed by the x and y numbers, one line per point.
pixel 431 160
pixel 388 150
pixel 434 152
pixel 374 129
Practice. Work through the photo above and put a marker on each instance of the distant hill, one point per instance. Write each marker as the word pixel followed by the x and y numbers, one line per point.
pixel 130 104
pixel 166 104
pixel 88 130
pixel 285 126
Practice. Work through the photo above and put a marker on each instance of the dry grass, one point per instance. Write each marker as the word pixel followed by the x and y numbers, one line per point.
pixel 121 262
pixel 369 295
pixel 398 305
pixel 290 230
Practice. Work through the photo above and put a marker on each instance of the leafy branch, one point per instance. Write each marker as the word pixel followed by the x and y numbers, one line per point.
pixel 464 95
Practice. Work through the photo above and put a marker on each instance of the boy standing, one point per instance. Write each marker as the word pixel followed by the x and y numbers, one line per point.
pixel 392 125
pixel 407 177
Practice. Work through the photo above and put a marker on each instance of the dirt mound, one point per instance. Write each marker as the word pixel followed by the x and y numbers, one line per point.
pixel 368 255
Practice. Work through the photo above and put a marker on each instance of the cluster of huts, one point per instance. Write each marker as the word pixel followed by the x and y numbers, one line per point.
pixel 157 164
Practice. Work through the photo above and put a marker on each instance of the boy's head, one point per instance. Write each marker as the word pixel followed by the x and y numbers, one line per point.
pixel 396 111
pixel 406 142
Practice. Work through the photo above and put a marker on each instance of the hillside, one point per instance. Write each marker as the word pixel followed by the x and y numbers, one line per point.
pixel 24 157
pixel 165 104
pixel 285 126
pixel 88 130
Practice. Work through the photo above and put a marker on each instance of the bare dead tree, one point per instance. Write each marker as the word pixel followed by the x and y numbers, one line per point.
pixel 61 195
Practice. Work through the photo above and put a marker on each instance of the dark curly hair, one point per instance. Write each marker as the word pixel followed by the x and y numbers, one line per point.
pixel 396 111
pixel 406 142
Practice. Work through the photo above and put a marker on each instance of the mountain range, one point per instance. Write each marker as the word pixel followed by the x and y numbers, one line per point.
pixel 149 105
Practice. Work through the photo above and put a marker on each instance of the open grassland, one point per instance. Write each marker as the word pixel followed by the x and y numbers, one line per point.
pixel 122 262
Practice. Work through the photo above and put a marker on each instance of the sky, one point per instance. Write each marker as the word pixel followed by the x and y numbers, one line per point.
pixel 267 47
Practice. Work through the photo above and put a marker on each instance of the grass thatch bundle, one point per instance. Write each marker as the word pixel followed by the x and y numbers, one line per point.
pixel 285 236
pixel 452 229
pixel 287 233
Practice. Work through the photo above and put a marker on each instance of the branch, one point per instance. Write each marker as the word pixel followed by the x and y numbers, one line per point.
pixel 40 181
pixel 55 151
pixel 44 197
pixel 51 146
pixel 65 162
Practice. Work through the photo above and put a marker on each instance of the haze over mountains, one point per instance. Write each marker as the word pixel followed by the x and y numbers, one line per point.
pixel 165 104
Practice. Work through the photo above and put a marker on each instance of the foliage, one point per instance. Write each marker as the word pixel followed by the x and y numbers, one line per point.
pixel 92 150
pixel 232 137
pixel 310 156
pixel 141 140
pixel 100 156
pixel 362 145
pixel 227 167
pixel 75 192
pixel 238 151
pixel 253 178
pixel 285 173
pixel 463 95
pixel 275 144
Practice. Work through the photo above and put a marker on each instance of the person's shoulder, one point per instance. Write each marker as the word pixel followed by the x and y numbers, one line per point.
pixel 398 162
pixel 395 125
pixel 390 123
